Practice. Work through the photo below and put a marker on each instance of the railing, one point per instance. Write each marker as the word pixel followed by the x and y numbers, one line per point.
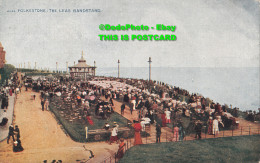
pixel 167 136
pixel 114 158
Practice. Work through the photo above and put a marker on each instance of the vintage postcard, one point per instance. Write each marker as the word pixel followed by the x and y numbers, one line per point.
pixel 129 81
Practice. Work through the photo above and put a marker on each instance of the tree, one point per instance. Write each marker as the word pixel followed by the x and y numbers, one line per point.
pixel 6 71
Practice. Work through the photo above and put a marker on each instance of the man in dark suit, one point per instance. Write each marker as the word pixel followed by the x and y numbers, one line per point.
pixel 11 133
pixel 158 133
pixel 122 109
pixel 17 131
pixel 42 103
pixel 198 128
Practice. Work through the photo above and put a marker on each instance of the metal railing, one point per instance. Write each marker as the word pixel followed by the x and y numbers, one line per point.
pixel 167 136
pixel 114 158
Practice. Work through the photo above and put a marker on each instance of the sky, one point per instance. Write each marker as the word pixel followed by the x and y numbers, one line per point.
pixel 216 33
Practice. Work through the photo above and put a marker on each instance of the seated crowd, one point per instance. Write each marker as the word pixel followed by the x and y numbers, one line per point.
pixel 153 101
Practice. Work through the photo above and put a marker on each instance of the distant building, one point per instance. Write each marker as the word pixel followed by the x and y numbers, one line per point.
pixel 2 56
pixel 82 69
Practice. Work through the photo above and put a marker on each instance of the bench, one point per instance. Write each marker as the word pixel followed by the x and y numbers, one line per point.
pixel 99 133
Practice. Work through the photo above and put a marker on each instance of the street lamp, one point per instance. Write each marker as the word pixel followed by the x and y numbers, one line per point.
pixel 118 69
pixel 150 61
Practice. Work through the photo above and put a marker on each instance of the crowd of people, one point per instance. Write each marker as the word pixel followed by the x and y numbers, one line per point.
pixel 11 88
pixel 155 102
pixel 74 99
pixel 166 104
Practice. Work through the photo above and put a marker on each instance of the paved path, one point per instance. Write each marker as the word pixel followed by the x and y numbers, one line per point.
pixel 9 112
pixel 43 139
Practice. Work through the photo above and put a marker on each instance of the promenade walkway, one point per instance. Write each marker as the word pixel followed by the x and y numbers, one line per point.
pixel 43 138
pixel 9 115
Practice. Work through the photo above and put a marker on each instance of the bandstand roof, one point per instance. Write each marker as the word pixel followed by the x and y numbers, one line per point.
pixel 81 63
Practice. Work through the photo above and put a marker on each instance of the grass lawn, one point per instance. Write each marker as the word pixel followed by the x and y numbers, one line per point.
pixel 115 117
pixel 77 129
pixel 229 149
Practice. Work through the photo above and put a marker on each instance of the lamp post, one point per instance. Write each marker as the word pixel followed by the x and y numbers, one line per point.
pixel 94 68
pixel 67 67
pixel 118 75
pixel 150 61
pixel 56 67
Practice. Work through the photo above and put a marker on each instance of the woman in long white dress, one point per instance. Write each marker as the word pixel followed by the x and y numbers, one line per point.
pixel 215 127
pixel 168 116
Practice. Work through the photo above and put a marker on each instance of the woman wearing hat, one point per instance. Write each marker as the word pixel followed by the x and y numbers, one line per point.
pixel 17 146
pixel 137 127
pixel 175 133
pixel 215 128
pixel 163 117
pixel 210 123
pixel 120 152
pixel 47 104
pixel 113 136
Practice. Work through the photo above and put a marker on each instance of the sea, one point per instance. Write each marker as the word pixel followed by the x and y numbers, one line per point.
pixel 238 87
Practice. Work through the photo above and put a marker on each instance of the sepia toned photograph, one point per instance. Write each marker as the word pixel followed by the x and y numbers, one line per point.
pixel 140 81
